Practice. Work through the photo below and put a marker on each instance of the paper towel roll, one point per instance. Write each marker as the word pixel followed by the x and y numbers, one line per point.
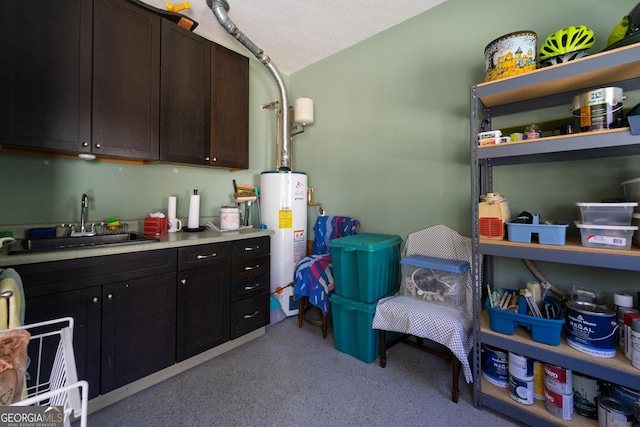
pixel 303 110
pixel 171 210
pixel 194 211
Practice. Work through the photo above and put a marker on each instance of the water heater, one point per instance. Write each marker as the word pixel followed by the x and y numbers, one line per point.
pixel 283 208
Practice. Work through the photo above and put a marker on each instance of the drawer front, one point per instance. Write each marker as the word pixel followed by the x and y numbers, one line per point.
pixel 250 248
pixel 250 267
pixel 59 276
pixel 203 255
pixel 249 314
pixel 248 287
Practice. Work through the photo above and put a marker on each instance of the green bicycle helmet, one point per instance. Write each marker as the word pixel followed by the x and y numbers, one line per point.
pixel 567 40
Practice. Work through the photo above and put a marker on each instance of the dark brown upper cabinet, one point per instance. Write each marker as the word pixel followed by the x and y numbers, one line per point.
pixel 229 108
pixel 126 80
pixel 46 74
pixel 185 86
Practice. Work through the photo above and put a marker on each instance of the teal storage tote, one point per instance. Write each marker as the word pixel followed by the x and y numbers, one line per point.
pixel 365 266
pixel 352 333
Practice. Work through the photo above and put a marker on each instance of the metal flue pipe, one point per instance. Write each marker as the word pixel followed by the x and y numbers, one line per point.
pixel 220 9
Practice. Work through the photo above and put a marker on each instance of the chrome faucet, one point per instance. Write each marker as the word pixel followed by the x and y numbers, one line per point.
pixel 83 220
pixel 83 213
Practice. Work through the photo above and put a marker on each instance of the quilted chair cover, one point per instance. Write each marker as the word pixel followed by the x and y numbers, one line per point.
pixel 313 276
pixel 451 328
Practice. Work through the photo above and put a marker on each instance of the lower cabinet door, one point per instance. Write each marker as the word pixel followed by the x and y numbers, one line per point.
pixel 138 329
pixel 84 305
pixel 203 310
pixel 249 314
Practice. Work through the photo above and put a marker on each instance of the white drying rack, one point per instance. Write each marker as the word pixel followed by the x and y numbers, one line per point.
pixel 60 386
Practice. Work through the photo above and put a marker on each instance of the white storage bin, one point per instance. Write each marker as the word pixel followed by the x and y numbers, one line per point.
pixel 438 280
pixel 635 220
pixel 606 213
pixel 606 236
pixel 631 190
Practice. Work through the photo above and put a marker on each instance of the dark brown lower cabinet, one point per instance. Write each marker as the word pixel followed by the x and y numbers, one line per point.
pixel 250 285
pixel 203 310
pixel 203 298
pixel 138 329
pixel 138 313
pixel 85 306
pixel 123 308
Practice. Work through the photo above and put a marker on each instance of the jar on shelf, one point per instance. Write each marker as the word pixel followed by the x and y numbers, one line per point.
pixel 532 132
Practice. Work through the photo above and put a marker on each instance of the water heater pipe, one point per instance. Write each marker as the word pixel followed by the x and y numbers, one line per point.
pixel 220 9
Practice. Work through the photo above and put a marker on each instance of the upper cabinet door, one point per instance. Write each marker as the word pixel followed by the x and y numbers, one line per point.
pixel 46 74
pixel 185 86
pixel 126 80
pixel 229 108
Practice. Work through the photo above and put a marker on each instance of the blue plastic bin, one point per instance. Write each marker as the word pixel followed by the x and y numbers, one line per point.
pixel 365 266
pixel 546 331
pixel 548 234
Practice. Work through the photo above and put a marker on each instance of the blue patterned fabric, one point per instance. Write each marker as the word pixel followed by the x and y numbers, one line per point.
pixel 313 276
pixel 332 227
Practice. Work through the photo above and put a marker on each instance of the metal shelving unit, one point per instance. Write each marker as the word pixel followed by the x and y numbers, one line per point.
pixel 543 88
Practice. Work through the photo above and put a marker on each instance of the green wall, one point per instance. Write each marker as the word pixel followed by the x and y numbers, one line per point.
pixel 390 141
pixel 389 145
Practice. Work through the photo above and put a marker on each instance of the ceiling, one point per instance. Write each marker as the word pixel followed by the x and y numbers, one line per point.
pixel 295 33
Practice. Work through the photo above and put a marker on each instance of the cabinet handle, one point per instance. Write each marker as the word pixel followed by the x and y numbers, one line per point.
pixel 251 267
pixel 85 144
pixel 95 300
pixel 249 316
pixel 213 255
pixel 183 281
pixel 251 248
pixel 248 288
pixel 110 296
pixel 98 145
pixel 215 159
pixel 206 158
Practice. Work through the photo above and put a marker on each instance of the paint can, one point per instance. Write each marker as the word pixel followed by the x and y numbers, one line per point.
pixel 520 367
pixel 510 55
pixel 538 380
pixel 634 343
pixel 558 379
pixel 521 390
pixel 494 366
pixel 627 331
pixel 598 109
pixel 558 404
pixel 630 397
pixel 591 329
pixel 612 412
pixel 586 391
pixel 622 334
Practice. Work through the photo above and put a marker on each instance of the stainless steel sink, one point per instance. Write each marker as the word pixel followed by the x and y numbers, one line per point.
pixel 61 243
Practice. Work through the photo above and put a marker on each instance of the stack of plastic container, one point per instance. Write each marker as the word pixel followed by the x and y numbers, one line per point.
pixel 365 269
pixel 606 225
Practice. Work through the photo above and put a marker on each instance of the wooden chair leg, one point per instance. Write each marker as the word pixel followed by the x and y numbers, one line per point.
pixel 301 301
pixel 383 348
pixel 324 324
pixel 455 391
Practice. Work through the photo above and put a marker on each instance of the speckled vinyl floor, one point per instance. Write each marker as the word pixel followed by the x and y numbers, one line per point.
pixel 292 377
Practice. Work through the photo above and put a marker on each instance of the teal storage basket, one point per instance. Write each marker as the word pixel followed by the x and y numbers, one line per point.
pixel 365 266
pixel 352 330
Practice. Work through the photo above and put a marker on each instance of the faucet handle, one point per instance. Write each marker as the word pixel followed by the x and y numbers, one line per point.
pixel 99 224
pixel 69 228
